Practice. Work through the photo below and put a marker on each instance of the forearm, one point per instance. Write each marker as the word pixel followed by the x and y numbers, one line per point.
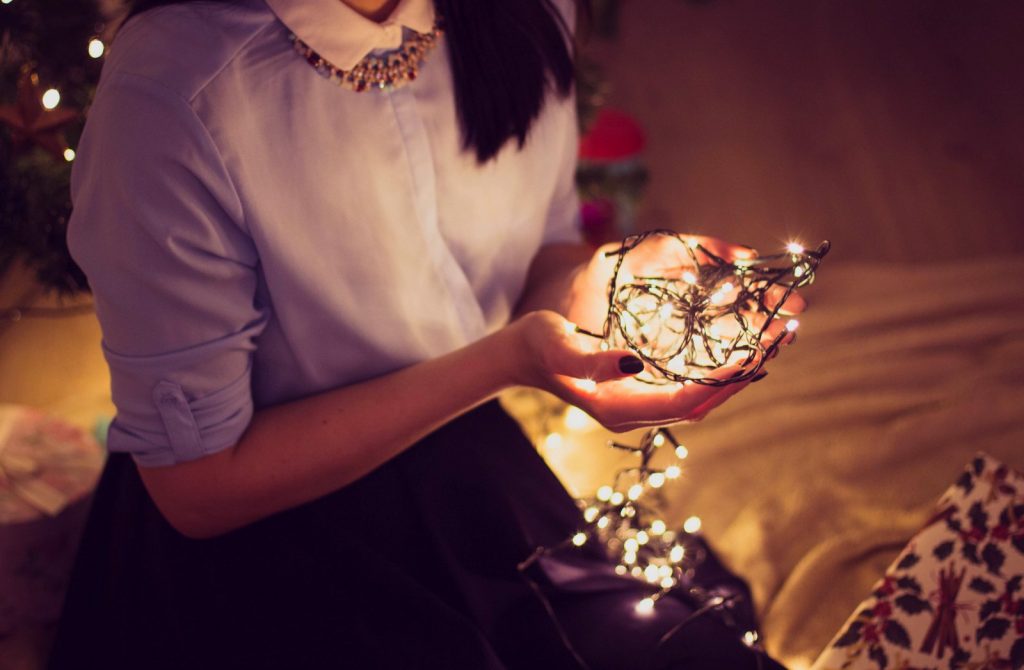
pixel 296 452
pixel 549 282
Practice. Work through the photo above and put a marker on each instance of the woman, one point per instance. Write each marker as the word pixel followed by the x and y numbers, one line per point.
pixel 307 286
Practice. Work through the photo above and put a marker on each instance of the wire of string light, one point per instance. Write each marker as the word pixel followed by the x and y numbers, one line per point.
pixel 705 314
pixel 683 324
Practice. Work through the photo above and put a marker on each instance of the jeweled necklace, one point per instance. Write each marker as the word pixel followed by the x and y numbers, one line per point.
pixel 385 71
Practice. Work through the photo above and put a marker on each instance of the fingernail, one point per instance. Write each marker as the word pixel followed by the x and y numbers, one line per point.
pixel 631 365
pixel 758 377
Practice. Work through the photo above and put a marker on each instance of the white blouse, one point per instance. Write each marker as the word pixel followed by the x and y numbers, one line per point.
pixel 254 233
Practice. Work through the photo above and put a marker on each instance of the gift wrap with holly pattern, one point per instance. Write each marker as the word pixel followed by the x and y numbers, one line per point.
pixel 953 598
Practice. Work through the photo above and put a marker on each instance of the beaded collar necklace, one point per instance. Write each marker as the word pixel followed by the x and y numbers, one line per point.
pixel 386 71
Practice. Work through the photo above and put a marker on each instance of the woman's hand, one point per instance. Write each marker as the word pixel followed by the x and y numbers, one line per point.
pixel 556 358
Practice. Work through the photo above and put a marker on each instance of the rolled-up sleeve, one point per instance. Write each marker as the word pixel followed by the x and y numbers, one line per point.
pixel 158 228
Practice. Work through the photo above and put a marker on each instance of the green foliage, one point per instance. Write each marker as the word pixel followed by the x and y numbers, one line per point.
pixel 51 38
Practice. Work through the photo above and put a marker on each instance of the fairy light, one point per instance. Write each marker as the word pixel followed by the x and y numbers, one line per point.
pixel 704 314
pixel 96 48
pixel 51 98
pixel 576 419
pixel 69 154
pixel 684 324
pixel 553 441
pixel 645 607
pixel 586 385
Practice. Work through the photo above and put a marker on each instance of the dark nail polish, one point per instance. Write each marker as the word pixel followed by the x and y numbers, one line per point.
pixel 758 377
pixel 631 365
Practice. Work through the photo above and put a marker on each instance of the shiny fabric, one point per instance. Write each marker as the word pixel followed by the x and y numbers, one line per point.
pixel 413 566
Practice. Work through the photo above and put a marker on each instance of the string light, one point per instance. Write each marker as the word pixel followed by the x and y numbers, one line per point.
pixel 51 98
pixel 692 319
pixel 684 323
pixel 96 47
pixel 69 154
pixel 553 441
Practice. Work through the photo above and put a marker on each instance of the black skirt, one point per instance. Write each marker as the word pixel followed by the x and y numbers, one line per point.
pixel 413 566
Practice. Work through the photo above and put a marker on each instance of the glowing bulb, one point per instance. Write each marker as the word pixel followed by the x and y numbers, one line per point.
pixel 629 558
pixel 795 248
pixel 667 582
pixel 590 514
pixel 635 491
pixel 604 493
pixel 665 311
pixel 69 154
pixel 689 277
pixel 636 571
pixel 96 47
pixel 621 570
pixel 553 441
pixel 658 527
pixel 682 452
pixel 626 277
pixel 673 471
pixel 792 325
pixel 617 498
pixel 651 573
pixel 658 440
pixel 692 242
pixel 569 327
pixel 603 522
pixel 665 571
pixel 586 385
pixel 51 98
pixel 6 2
pixel 579 539
pixel 656 480
pixel 726 287
pixel 631 546
pixel 645 606
pixel 692 524
pixel 798 271
pixel 676 553
pixel 642 537
pixel 576 419
pixel 750 638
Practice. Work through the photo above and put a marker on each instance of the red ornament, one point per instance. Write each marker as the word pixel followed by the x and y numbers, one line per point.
pixel 31 123
pixel 614 136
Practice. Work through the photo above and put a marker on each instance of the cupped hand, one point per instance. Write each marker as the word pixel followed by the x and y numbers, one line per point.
pixel 560 360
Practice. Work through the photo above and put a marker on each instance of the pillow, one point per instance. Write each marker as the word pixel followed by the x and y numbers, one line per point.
pixel 953 598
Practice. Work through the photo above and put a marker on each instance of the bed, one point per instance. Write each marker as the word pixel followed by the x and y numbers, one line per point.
pixel 810 482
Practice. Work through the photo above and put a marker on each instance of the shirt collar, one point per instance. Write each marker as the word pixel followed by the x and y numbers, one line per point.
pixel 343 36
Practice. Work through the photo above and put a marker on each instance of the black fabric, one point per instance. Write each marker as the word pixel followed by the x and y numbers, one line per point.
pixel 413 566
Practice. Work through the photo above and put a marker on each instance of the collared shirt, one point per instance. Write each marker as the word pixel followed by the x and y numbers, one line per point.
pixel 254 233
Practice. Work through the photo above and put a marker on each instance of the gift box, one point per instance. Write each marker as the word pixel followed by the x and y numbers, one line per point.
pixel 953 598
pixel 47 470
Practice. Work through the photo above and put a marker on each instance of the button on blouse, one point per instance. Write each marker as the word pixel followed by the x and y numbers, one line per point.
pixel 254 233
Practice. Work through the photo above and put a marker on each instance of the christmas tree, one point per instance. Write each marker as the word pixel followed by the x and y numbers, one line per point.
pixel 50 57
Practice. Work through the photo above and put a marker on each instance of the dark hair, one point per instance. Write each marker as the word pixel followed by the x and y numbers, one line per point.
pixel 504 57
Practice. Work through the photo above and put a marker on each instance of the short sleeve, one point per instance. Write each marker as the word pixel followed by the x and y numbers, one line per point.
pixel 158 229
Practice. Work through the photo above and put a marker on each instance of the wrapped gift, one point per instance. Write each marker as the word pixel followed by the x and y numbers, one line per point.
pixel 47 469
pixel 953 598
